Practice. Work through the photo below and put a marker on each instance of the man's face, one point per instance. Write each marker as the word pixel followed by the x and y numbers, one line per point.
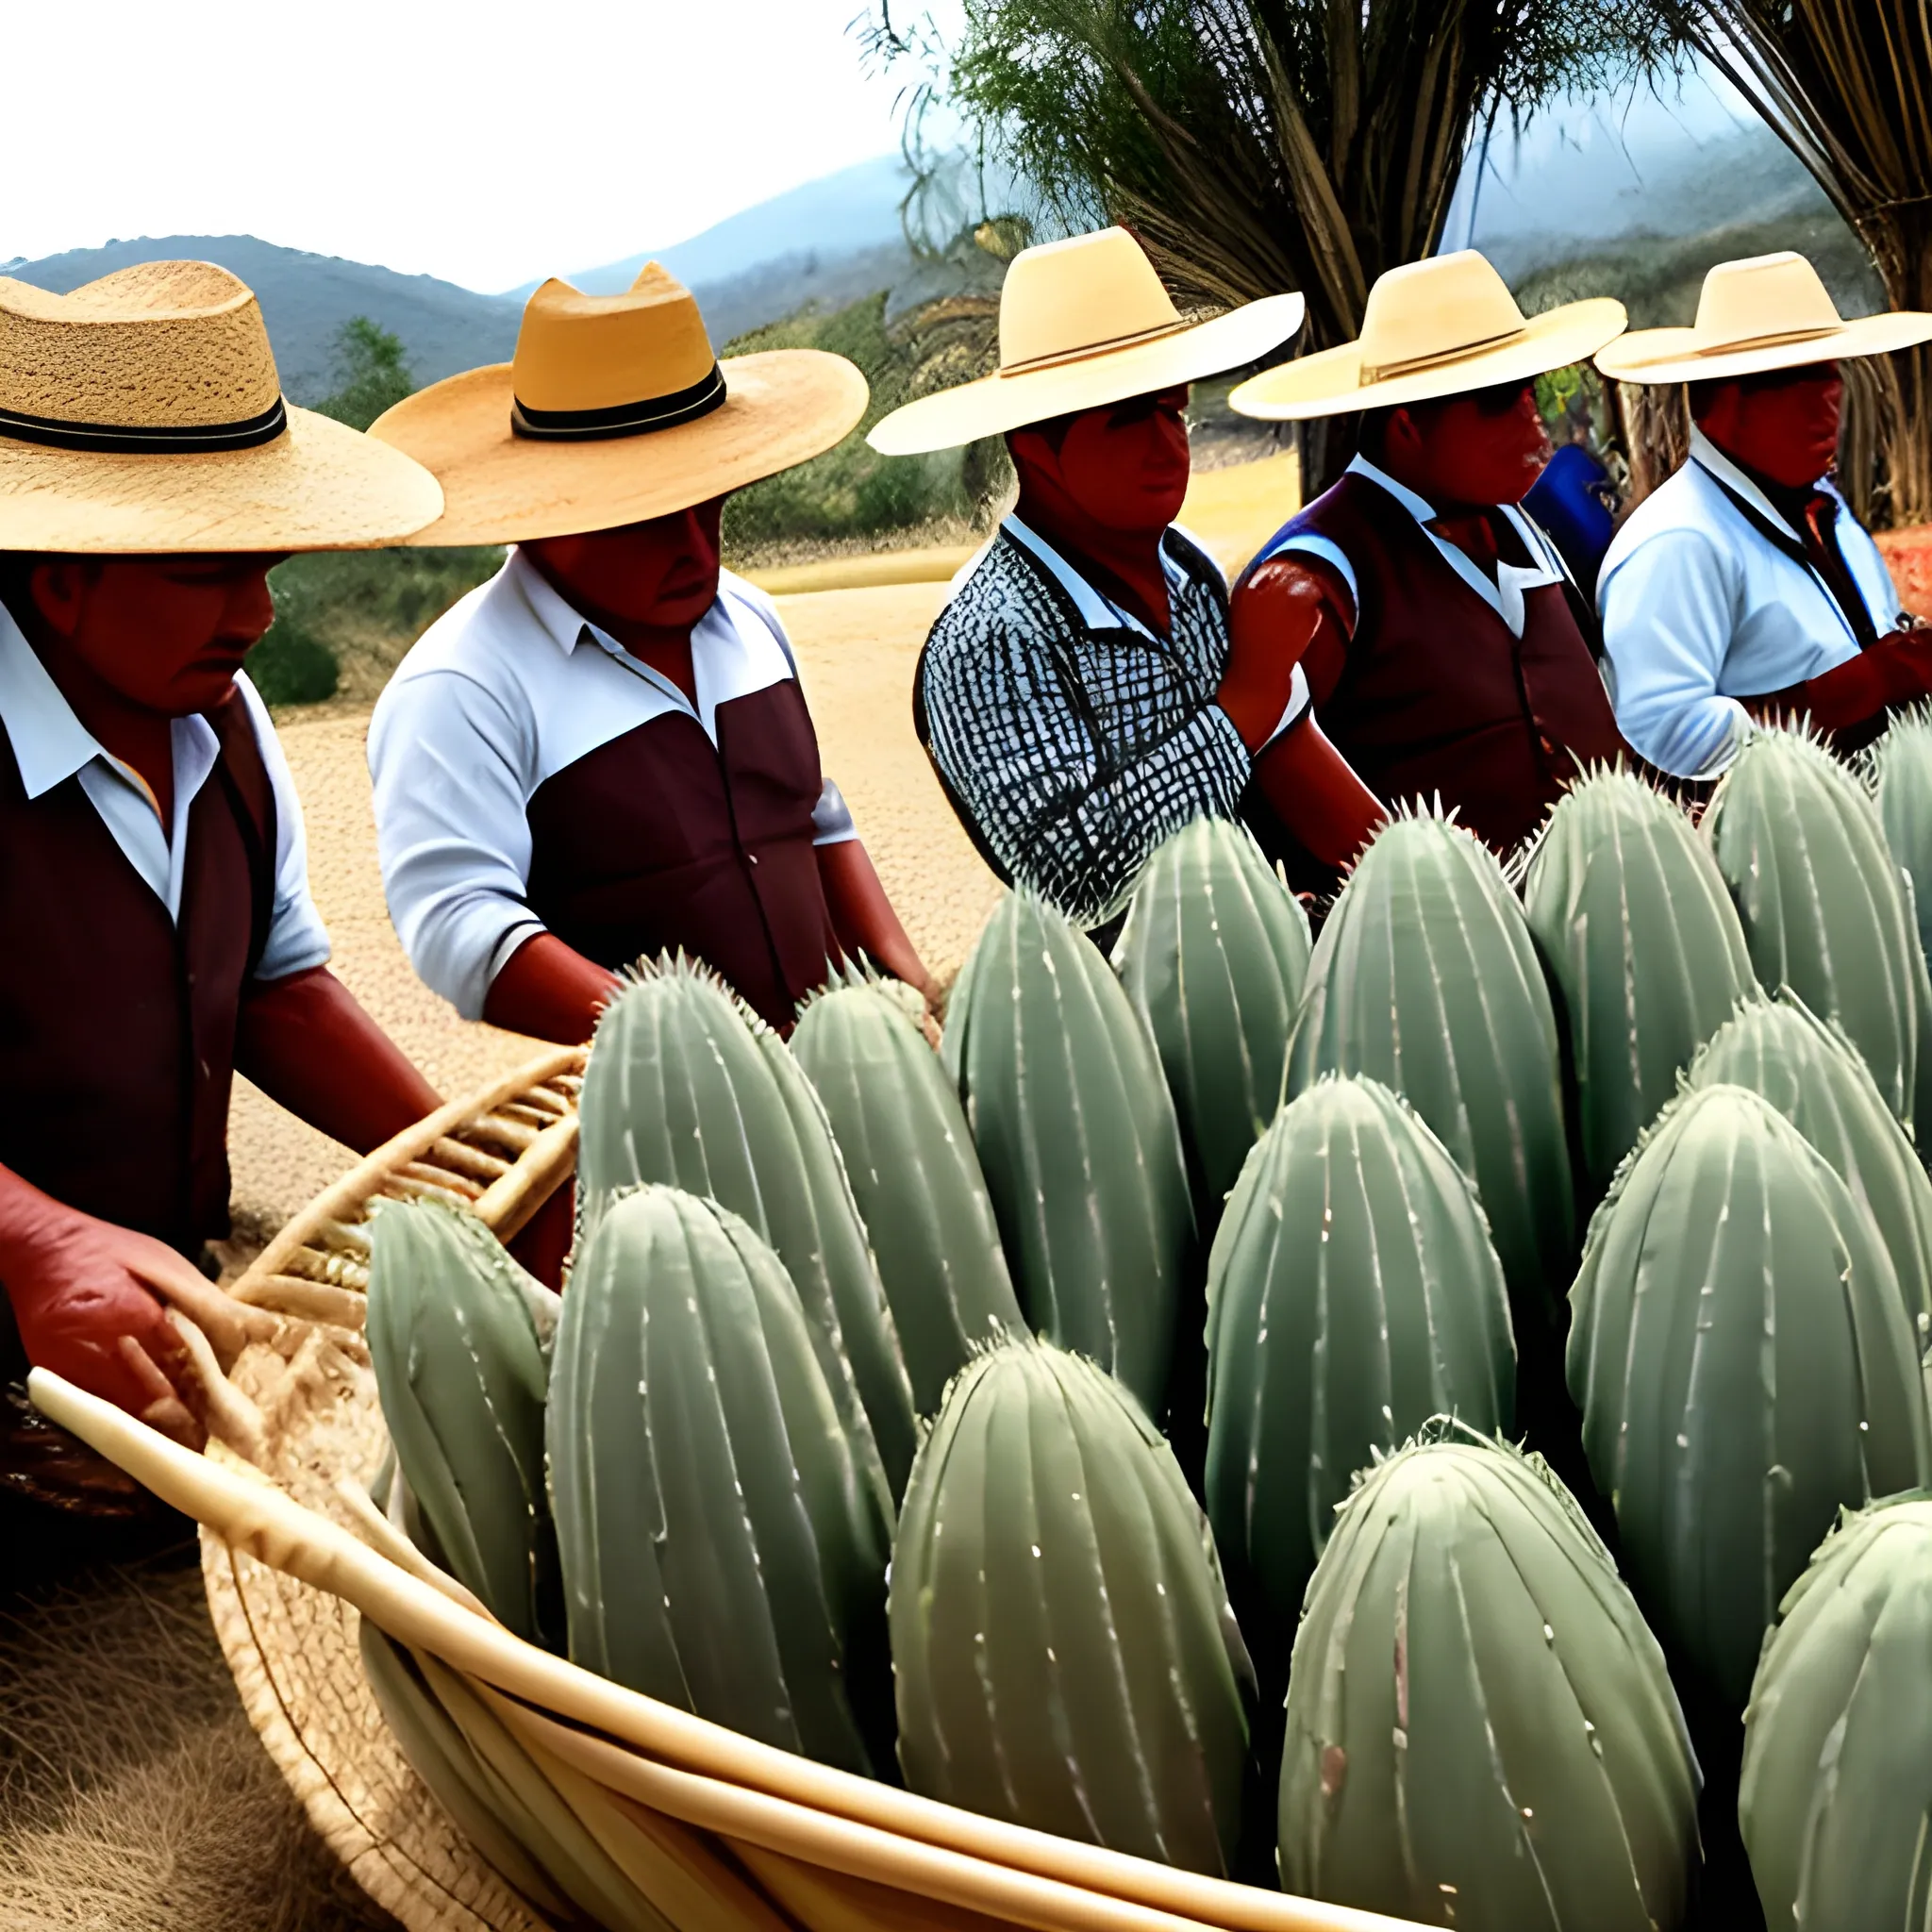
pixel 1125 466
pixel 662 572
pixel 1784 425
pixel 1486 447
pixel 164 633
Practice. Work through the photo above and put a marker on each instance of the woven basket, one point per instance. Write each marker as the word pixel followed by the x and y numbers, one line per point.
pixel 686 1824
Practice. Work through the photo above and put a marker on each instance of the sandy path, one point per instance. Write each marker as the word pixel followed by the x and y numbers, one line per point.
pixel 856 650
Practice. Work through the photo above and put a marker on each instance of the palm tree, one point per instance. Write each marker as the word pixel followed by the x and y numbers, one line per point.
pixel 1257 145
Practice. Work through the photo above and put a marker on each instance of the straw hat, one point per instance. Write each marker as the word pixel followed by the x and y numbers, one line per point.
pixel 1770 311
pixel 142 414
pixel 1433 329
pixel 1085 322
pixel 615 409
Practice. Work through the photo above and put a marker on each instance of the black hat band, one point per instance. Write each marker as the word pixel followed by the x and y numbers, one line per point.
pixel 184 438
pixel 621 419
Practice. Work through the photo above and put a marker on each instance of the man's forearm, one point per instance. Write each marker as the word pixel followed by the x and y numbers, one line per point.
pixel 862 917
pixel 307 1044
pixel 550 991
pixel 1316 795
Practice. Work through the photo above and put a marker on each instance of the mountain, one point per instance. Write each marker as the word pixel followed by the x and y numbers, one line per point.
pixel 306 298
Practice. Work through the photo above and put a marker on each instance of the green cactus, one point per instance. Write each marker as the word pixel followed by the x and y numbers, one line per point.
pixel 463 1379
pixel 1425 978
pixel 1899 769
pixel 722 1549
pixel 1638 929
pixel 1351 1293
pixel 910 1161
pixel 1822 901
pixel 687 1087
pixel 1077 1137
pixel 1838 1780
pixel 1480 1729
pixel 1062 1651
pixel 1742 1359
pixel 1812 1072
pixel 1214 955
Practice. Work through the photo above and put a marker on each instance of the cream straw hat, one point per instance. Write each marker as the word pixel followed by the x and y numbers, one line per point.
pixel 142 414
pixel 1770 311
pixel 615 409
pixel 1085 322
pixel 1432 328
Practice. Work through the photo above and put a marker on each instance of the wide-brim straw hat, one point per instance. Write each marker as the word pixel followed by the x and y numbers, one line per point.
pixel 142 414
pixel 1766 313
pixel 1085 322
pixel 1431 329
pixel 615 409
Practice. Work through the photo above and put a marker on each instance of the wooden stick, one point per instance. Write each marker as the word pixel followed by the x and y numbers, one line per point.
pixel 274 1528
pixel 509 1204
pixel 314 1301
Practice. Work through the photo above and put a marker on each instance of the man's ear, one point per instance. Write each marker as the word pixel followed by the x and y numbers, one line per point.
pixel 58 589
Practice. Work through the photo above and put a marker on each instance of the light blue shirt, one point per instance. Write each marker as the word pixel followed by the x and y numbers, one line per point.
pixel 499 694
pixel 1700 609
pixel 50 746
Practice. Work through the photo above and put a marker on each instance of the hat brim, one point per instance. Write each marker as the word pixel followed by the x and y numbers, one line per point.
pixel 318 486
pixel 1672 354
pixel 996 404
pixel 782 407
pixel 1329 383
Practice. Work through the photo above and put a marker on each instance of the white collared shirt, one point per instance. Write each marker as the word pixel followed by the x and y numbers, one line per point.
pixel 50 746
pixel 502 693
pixel 1701 608
pixel 1504 594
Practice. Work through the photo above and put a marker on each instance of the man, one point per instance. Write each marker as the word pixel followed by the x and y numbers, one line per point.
pixel 1745 587
pixel 1447 651
pixel 603 753
pixel 1079 695
pixel 153 879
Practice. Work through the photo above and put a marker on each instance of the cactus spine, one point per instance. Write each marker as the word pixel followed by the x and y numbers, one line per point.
pixel 1077 1137
pixel 1057 1623
pixel 909 1157
pixel 1214 955
pixel 721 1548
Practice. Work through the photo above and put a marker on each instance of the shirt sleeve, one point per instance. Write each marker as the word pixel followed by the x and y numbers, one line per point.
pixel 297 940
pixel 1668 612
pixel 831 818
pixel 448 759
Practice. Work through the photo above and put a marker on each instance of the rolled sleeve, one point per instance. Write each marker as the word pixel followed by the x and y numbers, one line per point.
pixel 297 940
pixel 448 760
pixel 1668 612
pixel 831 818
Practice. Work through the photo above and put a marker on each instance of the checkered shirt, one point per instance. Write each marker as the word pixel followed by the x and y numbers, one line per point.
pixel 1070 739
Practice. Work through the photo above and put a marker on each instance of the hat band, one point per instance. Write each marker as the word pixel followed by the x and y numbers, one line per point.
pixel 620 419
pixel 1414 365
pixel 1055 357
pixel 169 439
pixel 1741 346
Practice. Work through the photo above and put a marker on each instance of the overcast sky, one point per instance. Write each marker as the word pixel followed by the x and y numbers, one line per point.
pixel 478 140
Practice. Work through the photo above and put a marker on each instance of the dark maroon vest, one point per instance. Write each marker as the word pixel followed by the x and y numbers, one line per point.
pixel 117 1026
pixel 1437 696
pixel 657 842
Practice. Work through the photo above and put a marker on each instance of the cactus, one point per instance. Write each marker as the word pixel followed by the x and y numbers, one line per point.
pixel 1061 1650
pixel 1822 899
pixel 1425 978
pixel 1813 1075
pixel 1744 1366
pixel 1351 1293
pixel 1480 1729
pixel 910 1161
pixel 1214 955
pixel 688 1089
pixel 1640 937
pixel 1077 1137
pixel 1901 774
pixel 461 1374
pixel 722 1548
pixel 1837 1780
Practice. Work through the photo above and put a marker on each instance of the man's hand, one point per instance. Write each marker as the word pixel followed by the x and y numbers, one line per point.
pixel 1897 670
pixel 115 1311
pixel 1292 611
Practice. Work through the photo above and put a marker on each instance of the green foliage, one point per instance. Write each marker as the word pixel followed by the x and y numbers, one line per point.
pixel 292 665
pixel 850 490
pixel 372 373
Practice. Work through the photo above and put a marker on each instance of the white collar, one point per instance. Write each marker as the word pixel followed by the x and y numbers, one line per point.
pixel 1505 594
pixel 1097 610
pixel 1707 455
pixel 50 745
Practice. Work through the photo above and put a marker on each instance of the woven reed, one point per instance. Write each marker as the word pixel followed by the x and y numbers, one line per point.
pixel 710 1831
